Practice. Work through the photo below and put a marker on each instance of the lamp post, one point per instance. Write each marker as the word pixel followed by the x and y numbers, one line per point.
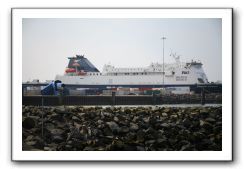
pixel 163 38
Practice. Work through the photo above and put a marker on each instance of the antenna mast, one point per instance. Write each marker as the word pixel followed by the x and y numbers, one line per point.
pixel 163 38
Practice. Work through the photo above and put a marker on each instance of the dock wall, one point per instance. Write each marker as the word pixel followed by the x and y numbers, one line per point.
pixel 120 100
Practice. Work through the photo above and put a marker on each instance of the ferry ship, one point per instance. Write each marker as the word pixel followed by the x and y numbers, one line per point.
pixel 81 72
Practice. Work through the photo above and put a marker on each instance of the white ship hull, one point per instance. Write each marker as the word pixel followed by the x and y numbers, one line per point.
pixel 173 74
pixel 129 79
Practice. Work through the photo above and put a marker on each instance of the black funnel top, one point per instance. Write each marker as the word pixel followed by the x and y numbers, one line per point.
pixel 84 64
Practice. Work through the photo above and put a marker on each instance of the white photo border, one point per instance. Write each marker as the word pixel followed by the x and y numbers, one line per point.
pixel 225 155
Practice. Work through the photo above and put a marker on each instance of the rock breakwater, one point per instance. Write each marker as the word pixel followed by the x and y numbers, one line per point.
pixel 121 128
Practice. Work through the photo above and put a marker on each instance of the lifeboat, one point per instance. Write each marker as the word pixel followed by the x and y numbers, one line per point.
pixel 70 70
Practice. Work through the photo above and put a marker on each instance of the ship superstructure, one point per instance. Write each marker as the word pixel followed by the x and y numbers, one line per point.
pixel 81 71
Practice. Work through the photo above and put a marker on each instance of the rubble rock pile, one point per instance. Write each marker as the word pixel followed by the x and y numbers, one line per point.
pixel 122 128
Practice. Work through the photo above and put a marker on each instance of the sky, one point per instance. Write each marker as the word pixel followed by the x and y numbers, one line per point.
pixel 134 42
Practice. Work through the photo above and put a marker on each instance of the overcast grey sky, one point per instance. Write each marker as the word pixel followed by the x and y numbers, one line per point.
pixel 122 42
